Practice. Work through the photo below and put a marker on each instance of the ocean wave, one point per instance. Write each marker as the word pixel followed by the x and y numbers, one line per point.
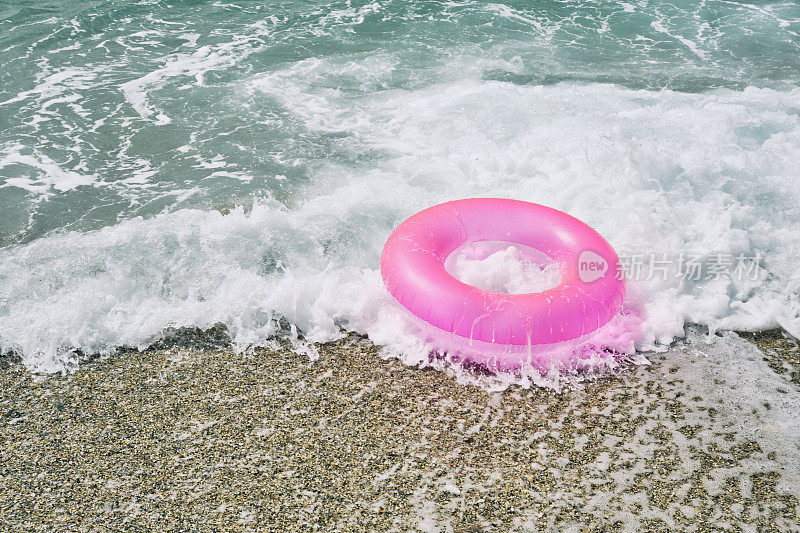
pixel 162 174
pixel 655 172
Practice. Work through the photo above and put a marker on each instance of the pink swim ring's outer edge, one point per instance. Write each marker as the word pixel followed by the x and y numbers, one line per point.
pixel 412 267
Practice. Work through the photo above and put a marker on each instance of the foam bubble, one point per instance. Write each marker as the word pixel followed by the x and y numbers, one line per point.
pixel 504 270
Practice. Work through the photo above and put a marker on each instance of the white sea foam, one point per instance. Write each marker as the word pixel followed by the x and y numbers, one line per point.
pixel 504 270
pixel 660 172
pixel 47 174
pixel 691 45
pixel 53 83
pixel 195 64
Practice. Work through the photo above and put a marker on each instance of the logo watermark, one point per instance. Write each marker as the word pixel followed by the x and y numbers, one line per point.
pixel 685 266
pixel 591 266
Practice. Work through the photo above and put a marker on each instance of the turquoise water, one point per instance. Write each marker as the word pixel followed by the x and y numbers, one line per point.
pixel 143 106
pixel 168 164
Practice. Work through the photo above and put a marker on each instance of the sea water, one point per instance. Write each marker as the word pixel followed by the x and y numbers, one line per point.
pixel 169 164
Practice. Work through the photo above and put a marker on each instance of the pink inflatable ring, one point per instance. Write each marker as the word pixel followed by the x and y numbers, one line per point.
pixel 494 329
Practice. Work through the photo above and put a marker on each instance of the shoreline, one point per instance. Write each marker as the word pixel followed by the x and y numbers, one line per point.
pixel 174 438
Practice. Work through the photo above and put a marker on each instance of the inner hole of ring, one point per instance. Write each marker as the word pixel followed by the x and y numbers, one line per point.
pixel 503 266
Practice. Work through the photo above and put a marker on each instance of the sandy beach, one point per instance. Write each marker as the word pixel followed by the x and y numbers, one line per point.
pixel 180 439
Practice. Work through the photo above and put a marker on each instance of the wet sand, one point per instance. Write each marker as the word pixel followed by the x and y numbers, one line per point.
pixel 206 439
